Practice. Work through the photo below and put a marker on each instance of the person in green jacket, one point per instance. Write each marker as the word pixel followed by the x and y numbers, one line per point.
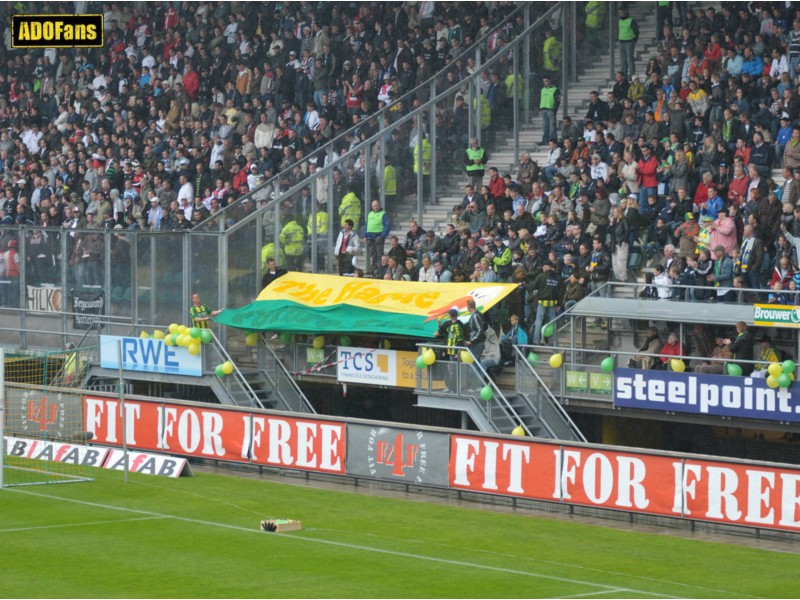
pixel 350 208
pixel 293 238
pixel 628 33
pixel 595 21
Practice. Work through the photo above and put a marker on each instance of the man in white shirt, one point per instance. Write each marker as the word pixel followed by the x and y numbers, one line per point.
pixel 186 191
pixel 551 165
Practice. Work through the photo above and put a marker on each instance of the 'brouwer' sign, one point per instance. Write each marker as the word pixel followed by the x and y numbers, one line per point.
pixel 772 315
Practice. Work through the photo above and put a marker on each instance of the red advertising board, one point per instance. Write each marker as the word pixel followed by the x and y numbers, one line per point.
pixel 506 467
pixel 752 495
pixel 657 484
pixel 230 435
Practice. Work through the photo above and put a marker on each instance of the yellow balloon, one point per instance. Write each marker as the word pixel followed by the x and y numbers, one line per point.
pixel 227 367
pixel 518 430
pixel 386 344
pixel 318 342
pixel 173 328
pixel 168 340
pixel 466 357
pixel 429 357
pixel 677 365
pixel 251 339
pixel 183 329
pixel 158 334
pixel 183 339
pixel 194 349
pixel 144 335
pixel 775 369
pixel 772 381
pixel 556 360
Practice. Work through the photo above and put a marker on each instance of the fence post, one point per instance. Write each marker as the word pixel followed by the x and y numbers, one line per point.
pixel 612 12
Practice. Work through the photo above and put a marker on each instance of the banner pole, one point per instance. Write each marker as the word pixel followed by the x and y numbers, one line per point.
pixel 2 413
pixel 121 396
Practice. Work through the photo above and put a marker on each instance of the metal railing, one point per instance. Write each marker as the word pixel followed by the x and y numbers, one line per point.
pixel 581 375
pixel 550 412
pixel 688 293
pixel 282 382
pixel 465 381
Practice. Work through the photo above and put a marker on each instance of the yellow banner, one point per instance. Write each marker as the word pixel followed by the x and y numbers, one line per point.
pixel 408 297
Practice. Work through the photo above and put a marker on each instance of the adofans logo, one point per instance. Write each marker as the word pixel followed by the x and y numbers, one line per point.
pixel 57 31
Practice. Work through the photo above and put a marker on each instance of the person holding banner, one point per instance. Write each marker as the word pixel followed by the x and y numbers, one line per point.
pixel 200 313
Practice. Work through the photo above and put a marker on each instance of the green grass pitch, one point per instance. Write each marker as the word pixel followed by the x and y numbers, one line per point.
pixel 200 537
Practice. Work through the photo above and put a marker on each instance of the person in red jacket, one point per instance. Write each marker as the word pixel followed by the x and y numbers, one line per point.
pixel 497 187
pixel 191 83
pixel 737 190
pixel 646 168
pixel 671 349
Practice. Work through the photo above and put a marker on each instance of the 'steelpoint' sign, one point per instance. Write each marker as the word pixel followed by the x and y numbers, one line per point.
pixel 57 31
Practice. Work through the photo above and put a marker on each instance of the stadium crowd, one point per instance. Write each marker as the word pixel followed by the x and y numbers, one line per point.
pixel 188 108
pixel 671 170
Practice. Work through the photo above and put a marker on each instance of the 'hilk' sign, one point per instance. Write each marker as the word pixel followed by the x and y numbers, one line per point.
pixel 148 355
pixel 719 395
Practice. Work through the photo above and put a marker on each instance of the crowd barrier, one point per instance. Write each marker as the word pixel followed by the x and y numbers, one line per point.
pixel 658 484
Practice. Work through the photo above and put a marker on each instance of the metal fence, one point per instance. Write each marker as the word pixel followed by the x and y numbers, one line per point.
pixel 551 414
pixel 581 375
pixel 450 376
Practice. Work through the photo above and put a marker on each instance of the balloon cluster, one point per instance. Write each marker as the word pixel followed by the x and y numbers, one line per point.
pixel 188 337
pixel 426 358
pixel 224 369
pixel 780 374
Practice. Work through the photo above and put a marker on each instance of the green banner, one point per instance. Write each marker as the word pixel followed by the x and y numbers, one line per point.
pixel 315 355
pixel 577 381
pixel 600 383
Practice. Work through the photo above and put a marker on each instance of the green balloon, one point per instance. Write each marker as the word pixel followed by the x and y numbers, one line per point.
pixel 784 380
pixel 548 330
pixel 420 363
pixel 286 338
pixel 788 366
pixel 487 393
pixel 734 370
pixel 345 341
pixel 175 337
pixel 205 336
pixel 195 332
pixel 219 372
pixel 608 364
pixel 533 359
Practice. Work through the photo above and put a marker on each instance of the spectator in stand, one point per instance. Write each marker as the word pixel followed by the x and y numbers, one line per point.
pixel 741 347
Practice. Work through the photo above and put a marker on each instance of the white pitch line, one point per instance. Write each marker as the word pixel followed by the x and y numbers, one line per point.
pixel 422 557
pixel 587 594
pixel 16 529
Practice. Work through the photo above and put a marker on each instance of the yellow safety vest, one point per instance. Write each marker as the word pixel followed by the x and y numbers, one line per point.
pixel 375 221
pixel 293 238
pixel 389 180
pixel 626 33
pixel 268 251
pixel 548 97
pixel 473 154
pixel 552 54
pixel 595 14
pixel 322 223
pixel 486 111
pixel 426 156
pixel 350 209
